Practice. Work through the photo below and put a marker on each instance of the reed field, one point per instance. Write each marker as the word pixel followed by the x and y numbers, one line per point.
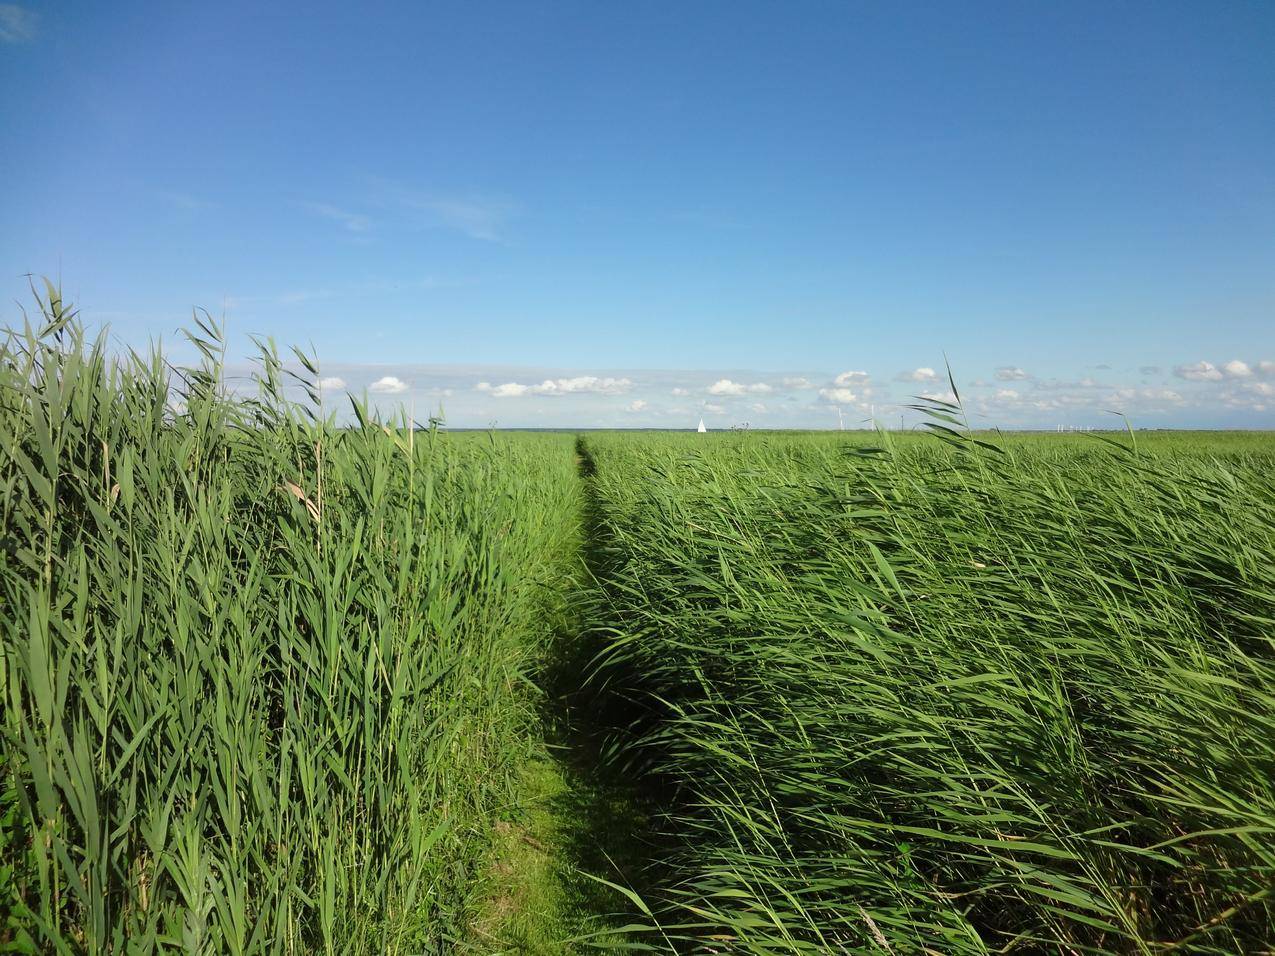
pixel 276 675
pixel 936 696
pixel 261 675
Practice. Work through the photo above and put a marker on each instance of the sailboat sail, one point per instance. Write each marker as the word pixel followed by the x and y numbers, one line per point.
pixel 701 426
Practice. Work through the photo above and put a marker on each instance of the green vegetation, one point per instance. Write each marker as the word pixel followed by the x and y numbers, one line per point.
pixel 263 678
pixel 947 698
pixel 276 685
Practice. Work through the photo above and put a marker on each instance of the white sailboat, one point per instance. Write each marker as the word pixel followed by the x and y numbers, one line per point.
pixel 701 428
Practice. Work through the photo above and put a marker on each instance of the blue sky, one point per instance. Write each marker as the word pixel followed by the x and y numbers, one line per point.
pixel 564 213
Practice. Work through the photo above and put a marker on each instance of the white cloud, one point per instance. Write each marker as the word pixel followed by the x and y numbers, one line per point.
pixel 679 391
pixel 17 24
pixel 590 384
pixel 1199 372
pixel 1006 394
pixel 507 390
pixel 725 386
pixel 758 406
pixel 331 382
pixel 797 382
pixel 389 385
pixel 843 396
pixel 1011 373
pixel 637 405
pixel 1265 367
pixel 853 378
pixel 715 409
pixel 1249 396
pixel 353 221
pixel 918 375
pixel 580 385
pixel 1236 369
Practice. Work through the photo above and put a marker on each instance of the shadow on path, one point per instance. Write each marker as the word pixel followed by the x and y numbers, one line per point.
pixel 580 819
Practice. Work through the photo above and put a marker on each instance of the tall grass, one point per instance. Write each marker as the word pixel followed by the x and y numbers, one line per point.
pixel 944 698
pixel 260 673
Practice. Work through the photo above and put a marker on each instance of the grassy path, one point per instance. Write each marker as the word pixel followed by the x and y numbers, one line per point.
pixel 576 823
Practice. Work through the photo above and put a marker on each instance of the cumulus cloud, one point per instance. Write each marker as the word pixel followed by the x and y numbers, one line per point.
pixel 680 392
pixel 331 382
pixel 1236 369
pixel 1006 394
pixel 854 378
pixel 918 375
pixel 389 385
pixel 1199 372
pixel 797 381
pixel 841 396
pixel 637 405
pixel 1249 396
pixel 580 385
pixel 724 386
pixel 1266 367
pixel 507 390
pixel 1012 373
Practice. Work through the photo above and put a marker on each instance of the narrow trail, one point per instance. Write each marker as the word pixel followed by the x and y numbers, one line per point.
pixel 578 821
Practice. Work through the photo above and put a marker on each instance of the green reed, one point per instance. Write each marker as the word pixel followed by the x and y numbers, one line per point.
pixel 261 674
pixel 918 696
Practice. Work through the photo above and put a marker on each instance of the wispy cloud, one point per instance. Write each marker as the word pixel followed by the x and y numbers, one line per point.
pixel 17 24
pixel 184 200
pixel 353 221
pixel 1012 373
pixel 477 216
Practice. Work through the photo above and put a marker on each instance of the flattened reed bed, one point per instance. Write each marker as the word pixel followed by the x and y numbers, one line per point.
pixel 933 697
